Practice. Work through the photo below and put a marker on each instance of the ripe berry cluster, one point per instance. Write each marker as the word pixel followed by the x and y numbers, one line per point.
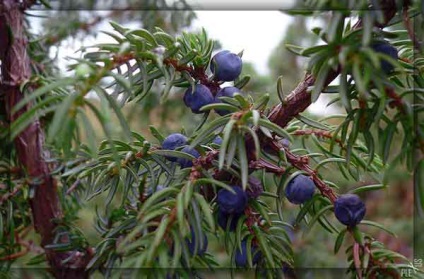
pixel 348 208
pixel 176 141
pixel 231 205
pixel 225 66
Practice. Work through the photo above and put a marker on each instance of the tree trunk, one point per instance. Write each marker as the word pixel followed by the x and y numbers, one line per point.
pixel 46 210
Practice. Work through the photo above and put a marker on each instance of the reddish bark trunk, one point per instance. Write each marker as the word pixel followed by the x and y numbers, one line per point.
pixel 45 205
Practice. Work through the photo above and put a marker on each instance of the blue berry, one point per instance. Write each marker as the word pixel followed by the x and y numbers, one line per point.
pixel 191 244
pixel 225 92
pixel 200 97
pixel 172 142
pixel 241 256
pixel 232 203
pixel 349 209
pixel 223 219
pixel 217 140
pixel 300 189
pixel 386 48
pixel 226 66
pixel 186 163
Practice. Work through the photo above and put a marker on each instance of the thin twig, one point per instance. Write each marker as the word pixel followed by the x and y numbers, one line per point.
pixel 408 25
pixel 302 163
pixel 19 254
pixel 318 133
pixel 73 186
pixel 11 194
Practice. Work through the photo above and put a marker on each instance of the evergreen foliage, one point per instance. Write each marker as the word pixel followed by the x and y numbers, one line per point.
pixel 164 197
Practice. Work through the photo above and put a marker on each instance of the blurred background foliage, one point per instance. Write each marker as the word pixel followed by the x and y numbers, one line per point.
pixel 392 207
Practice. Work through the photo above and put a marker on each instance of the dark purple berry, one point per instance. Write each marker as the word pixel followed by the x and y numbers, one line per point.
pixel 191 244
pixel 172 142
pixel 385 48
pixel 241 256
pixel 186 163
pixel 300 189
pixel 217 140
pixel 226 66
pixel 349 209
pixel 232 203
pixel 223 219
pixel 225 92
pixel 202 96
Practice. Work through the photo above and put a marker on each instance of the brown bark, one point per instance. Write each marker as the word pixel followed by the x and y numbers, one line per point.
pixel 297 101
pixel 300 99
pixel 45 204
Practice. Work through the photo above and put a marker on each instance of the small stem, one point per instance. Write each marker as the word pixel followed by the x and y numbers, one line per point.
pixel 269 167
pixel 28 246
pixel 73 186
pixel 197 73
pixel 407 22
pixel 396 100
pixel 318 133
pixel 11 194
pixel 301 163
pixel 16 255
pixel 356 259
